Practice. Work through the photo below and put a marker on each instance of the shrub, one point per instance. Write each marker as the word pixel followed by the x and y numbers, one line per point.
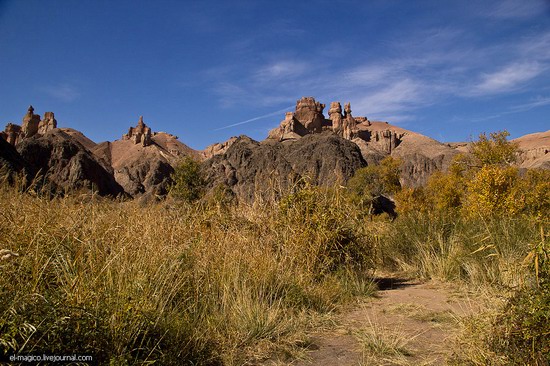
pixel 495 150
pixel 493 190
pixel 522 331
pixel 374 180
pixel 445 191
pixel 536 191
pixel 188 180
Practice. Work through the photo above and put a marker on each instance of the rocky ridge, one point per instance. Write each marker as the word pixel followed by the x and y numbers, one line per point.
pixel 306 144
pixel 253 169
pixel 421 155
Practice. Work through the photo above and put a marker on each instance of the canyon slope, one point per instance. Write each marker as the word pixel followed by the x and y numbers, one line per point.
pixel 306 145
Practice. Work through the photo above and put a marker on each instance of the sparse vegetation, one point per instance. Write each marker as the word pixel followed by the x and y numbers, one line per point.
pixel 380 344
pixel 223 283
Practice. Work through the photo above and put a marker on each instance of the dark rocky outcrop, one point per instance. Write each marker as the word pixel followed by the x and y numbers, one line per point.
pixel 11 163
pixel 252 168
pixel 66 165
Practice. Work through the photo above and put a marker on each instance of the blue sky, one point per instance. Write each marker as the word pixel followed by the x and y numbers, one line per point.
pixel 448 69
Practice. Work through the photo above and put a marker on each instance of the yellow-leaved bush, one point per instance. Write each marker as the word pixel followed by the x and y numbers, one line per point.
pixel 493 190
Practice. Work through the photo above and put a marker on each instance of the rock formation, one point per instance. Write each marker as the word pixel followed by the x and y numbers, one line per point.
pixel 421 155
pixel 218 148
pixel 349 126
pixel 310 114
pixel 335 115
pixel 387 140
pixel 12 134
pixel 65 165
pixel 30 124
pixel 47 124
pixel 141 134
pixel 253 169
pixel 308 118
pixel 11 163
pixel 143 161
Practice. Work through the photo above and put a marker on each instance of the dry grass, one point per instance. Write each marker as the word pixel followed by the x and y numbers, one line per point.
pixel 175 284
pixel 209 284
pixel 381 346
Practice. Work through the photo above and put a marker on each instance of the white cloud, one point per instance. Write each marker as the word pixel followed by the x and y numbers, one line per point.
pixel 281 70
pixel 508 78
pixel 399 96
pixel 518 9
pixel 427 67
pixel 539 102
pixel 63 92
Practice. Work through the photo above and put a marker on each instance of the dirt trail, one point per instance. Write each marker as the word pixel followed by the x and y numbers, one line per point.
pixel 409 323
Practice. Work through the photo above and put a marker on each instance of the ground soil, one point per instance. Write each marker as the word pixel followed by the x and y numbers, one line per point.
pixel 407 323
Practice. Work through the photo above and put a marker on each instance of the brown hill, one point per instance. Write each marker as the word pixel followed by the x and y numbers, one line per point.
pixel 142 161
pixel 534 150
pixel 66 165
pixel 80 137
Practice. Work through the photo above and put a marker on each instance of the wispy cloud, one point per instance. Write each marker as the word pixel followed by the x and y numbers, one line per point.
pixel 397 97
pixel 518 108
pixel 539 102
pixel 63 92
pixel 283 69
pixel 508 78
pixel 427 67
pixel 518 9
pixel 255 118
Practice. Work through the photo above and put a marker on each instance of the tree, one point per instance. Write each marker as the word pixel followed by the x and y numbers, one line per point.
pixel 375 180
pixel 495 150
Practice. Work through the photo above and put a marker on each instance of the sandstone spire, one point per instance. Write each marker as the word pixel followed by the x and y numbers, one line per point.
pixel 30 123
pixel 47 124
pixel 141 134
pixel 335 115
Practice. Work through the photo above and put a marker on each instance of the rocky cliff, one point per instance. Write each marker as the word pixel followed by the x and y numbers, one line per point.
pixel 421 155
pixel 11 163
pixel 66 165
pixel 306 144
pixel 251 168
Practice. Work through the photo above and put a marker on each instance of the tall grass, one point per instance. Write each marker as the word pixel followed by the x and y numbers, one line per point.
pixel 172 283
pixel 446 246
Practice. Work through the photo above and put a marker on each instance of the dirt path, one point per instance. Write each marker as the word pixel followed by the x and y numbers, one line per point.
pixel 409 323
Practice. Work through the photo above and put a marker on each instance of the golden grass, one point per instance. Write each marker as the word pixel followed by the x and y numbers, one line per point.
pixel 172 283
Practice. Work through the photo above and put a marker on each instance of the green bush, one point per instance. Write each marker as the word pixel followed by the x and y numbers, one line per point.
pixel 374 180
pixel 189 183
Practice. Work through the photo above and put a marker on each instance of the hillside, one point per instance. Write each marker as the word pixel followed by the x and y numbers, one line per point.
pixel 306 143
pixel 535 150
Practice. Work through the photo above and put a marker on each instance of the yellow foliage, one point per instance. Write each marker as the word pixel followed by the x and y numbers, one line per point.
pixel 493 190
pixel 411 200
pixel 536 185
pixel 494 150
pixel 378 179
pixel 445 190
